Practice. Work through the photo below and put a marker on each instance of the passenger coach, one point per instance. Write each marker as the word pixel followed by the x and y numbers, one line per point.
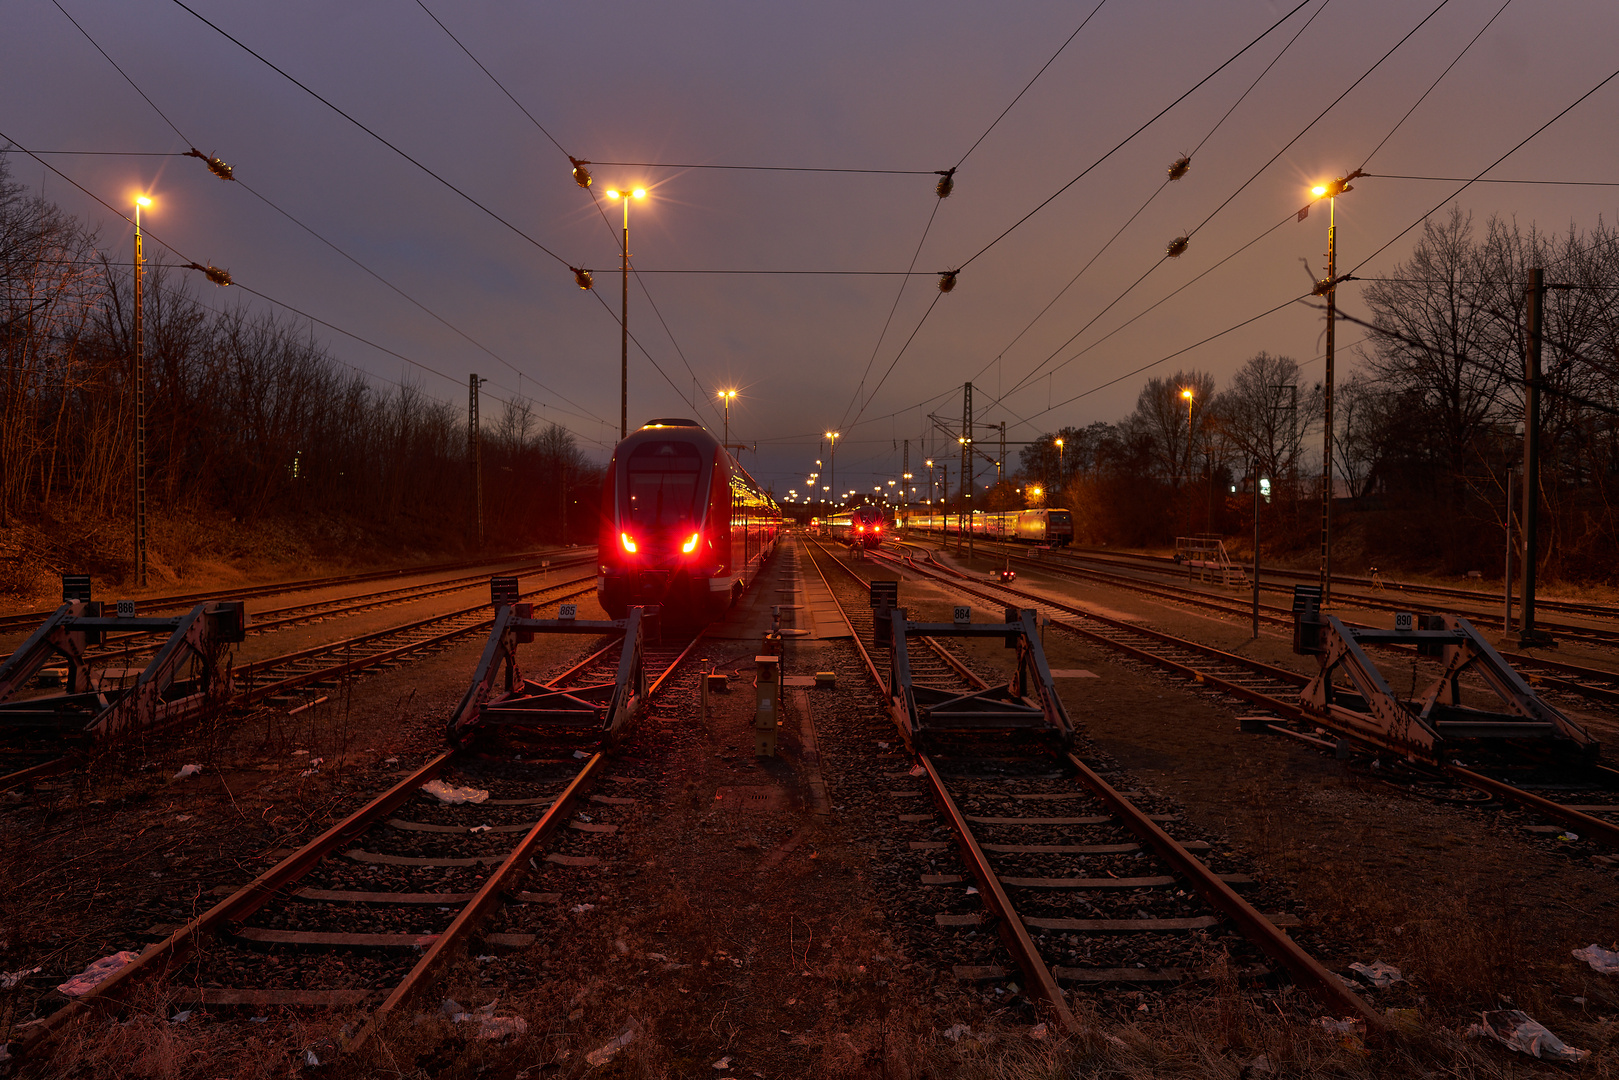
pixel 1045 526
pixel 683 524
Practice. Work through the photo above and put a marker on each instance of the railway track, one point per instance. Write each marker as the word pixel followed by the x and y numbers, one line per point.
pixel 1588 802
pixel 1086 886
pixel 276 679
pixel 176 602
pixel 1598 685
pixel 1408 600
pixel 378 906
pixel 1570 607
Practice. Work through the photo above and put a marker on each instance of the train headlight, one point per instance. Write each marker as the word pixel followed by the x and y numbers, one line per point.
pixel 690 545
pixel 629 545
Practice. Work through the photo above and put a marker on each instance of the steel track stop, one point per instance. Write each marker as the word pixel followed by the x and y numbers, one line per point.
pixel 1028 702
pixel 1431 724
pixel 500 697
pixel 187 676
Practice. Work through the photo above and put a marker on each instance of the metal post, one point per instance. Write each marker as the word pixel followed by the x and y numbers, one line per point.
pixel 1506 577
pixel 140 412
pixel 1534 298
pixel 624 334
pixel 1257 500
pixel 475 454
pixel 967 477
pixel 1326 451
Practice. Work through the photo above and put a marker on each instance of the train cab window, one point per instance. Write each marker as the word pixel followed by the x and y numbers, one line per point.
pixel 663 480
pixel 1061 517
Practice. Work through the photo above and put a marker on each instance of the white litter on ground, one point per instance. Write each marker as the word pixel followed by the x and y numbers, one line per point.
pixel 93 976
pixel 9 979
pixel 187 770
pixel 1377 973
pixel 454 796
pixel 1514 1029
pixel 1600 959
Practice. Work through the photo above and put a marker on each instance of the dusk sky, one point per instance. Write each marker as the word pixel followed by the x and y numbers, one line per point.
pixel 829 86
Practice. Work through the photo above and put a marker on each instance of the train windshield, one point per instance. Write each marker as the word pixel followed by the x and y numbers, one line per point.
pixel 1061 517
pixel 664 478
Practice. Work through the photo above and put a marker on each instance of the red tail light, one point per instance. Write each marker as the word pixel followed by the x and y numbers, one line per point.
pixel 690 545
pixel 629 545
pixel 877 528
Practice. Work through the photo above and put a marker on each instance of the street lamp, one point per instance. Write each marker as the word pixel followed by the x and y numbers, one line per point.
pixel 624 318
pixel 1328 287
pixel 833 458
pixel 726 396
pixel 141 202
pixel 1059 463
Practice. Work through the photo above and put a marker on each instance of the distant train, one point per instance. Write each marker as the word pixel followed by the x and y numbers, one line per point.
pixel 864 525
pixel 682 524
pixel 1053 527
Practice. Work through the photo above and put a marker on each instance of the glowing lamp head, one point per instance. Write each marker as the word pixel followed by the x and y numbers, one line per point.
pixel 639 193
pixel 1319 190
pixel 690 545
pixel 614 193
pixel 142 201
pixel 629 544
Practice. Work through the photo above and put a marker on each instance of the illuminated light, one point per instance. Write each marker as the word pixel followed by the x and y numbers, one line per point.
pixel 1187 394
pixel 142 201
pixel 639 193
pixel 614 194
pixel 690 545
pixel 1319 190
pixel 629 545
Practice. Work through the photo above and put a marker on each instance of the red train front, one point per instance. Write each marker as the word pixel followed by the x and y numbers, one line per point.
pixel 683 525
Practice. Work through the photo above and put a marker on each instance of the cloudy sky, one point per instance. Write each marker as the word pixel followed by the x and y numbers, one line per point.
pixel 784 279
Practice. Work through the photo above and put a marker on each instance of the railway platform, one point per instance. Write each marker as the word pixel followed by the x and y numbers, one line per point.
pixel 808 611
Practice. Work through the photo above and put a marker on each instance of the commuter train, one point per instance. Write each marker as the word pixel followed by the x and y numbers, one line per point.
pixel 864 525
pixel 1052 526
pixel 683 525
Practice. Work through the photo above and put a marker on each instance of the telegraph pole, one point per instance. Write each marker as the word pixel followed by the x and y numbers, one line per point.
pixel 1534 299
pixel 967 477
pixel 475 453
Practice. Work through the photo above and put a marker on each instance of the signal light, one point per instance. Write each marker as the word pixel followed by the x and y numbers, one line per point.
pixel 1178 169
pixel 581 175
pixel 583 278
pixel 1177 246
pixel 629 545
pixel 946 184
pixel 690 545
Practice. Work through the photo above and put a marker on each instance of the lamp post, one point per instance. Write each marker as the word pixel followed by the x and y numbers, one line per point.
pixel 141 201
pixel 726 396
pixel 624 317
pixel 833 458
pixel 1328 287
pixel 1059 463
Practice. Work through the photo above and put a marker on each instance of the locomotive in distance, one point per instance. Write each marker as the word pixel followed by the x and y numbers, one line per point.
pixel 683 525
pixel 1051 526
pixel 864 525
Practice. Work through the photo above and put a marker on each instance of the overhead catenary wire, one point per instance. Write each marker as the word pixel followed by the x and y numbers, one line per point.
pixel 357 123
pixel 306 228
pixel 546 132
pixel 157 239
pixel 1171 178
pixel 1130 137
pixel 1439 79
pixel 1040 369
pixel 942 191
